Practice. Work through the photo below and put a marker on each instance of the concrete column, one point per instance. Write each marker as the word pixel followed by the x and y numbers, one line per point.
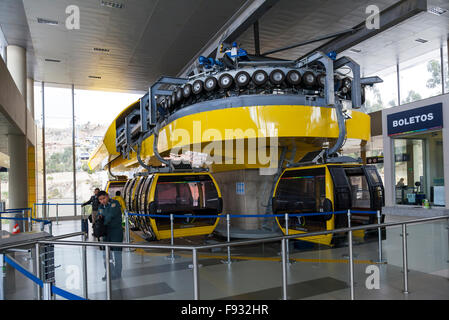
pixel 254 199
pixel 18 184
pixel 16 61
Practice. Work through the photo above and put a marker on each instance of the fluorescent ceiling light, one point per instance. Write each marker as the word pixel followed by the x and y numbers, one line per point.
pixel 94 77
pixel 112 4
pixel 355 50
pixel 437 10
pixel 101 50
pixel 46 21
pixel 421 40
pixel 52 60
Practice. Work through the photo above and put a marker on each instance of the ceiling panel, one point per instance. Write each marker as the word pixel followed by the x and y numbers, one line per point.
pixel 151 38
pixel 294 21
pixel 146 39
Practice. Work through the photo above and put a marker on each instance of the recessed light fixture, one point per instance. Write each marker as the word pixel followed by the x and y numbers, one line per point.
pixel 111 4
pixel 437 10
pixel 101 50
pixel 355 50
pixel 46 21
pixel 94 77
pixel 52 60
pixel 421 40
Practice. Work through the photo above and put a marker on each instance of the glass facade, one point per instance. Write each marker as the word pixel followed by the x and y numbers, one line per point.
pixel 420 78
pixel 3 45
pixel 445 68
pixel 382 95
pixel 94 111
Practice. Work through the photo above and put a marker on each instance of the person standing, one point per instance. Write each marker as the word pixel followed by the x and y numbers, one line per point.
pixel 94 202
pixel 119 198
pixel 111 213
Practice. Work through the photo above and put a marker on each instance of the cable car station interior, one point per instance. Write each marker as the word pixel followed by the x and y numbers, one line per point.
pixel 185 150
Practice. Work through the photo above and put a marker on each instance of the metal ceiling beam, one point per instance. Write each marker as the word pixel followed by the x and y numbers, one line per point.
pixel 244 18
pixel 389 17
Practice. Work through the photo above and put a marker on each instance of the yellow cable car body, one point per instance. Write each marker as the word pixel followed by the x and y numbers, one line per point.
pixel 305 127
pixel 180 193
pixel 312 189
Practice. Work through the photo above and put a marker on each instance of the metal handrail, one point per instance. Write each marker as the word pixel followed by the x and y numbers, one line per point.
pixel 241 242
pixel 283 239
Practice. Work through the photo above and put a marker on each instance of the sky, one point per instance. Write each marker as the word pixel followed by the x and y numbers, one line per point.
pixel 98 107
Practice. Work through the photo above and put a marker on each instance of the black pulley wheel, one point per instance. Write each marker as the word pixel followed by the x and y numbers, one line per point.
pixel 363 94
pixel 277 76
pixel 225 81
pixel 178 93
pixel 210 84
pixel 197 87
pixel 242 79
pixel 321 80
pixel 260 77
pixel 173 99
pixel 187 90
pixel 293 77
pixel 168 102
pixel 309 79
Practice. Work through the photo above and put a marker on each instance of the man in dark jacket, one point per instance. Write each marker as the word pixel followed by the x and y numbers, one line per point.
pixel 94 202
pixel 111 213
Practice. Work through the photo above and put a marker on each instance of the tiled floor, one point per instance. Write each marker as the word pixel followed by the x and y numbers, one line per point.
pixel 256 272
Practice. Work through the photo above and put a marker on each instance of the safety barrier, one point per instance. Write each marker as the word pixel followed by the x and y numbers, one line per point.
pixel 283 239
pixel 195 249
pixel 57 204
pixel 49 289
pixel 29 218
pixel 286 216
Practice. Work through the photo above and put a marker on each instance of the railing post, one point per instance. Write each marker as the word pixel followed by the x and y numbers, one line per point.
pixel 38 269
pixel 351 258
pixel 196 285
pixel 30 222
pixel 404 257
pixel 85 289
pixel 127 235
pixel 284 268
pixel 1 221
pixel 228 235
pixel 287 233
pixel 172 256
pixel 47 291
pixel 57 214
pixel 50 228
pixel 379 231
pixel 2 276
pixel 108 272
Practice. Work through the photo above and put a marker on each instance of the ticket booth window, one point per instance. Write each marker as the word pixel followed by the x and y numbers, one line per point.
pixel 419 169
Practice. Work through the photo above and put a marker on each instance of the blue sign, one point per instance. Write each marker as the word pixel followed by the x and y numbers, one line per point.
pixel 419 119
pixel 240 188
